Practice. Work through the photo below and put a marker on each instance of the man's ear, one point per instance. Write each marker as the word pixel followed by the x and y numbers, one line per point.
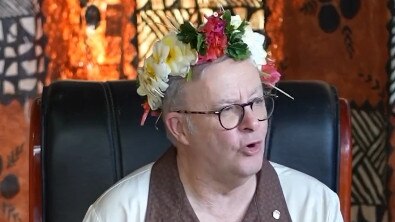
pixel 175 123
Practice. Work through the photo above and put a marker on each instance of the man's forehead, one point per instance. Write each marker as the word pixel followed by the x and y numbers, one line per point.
pixel 233 96
pixel 236 80
pixel 249 91
pixel 229 65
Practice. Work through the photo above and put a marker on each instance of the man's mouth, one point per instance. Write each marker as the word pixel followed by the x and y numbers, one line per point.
pixel 252 148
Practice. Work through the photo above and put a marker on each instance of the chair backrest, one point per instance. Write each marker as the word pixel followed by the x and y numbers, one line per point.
pixel 91 137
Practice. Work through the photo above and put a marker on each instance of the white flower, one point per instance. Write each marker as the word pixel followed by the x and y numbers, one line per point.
pixel 254 41
pixel 176 54
pixel 235 21
pixel 190 57
pixel 169 57
pixel 153 80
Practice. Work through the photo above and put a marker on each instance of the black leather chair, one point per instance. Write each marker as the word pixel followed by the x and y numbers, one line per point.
pixel 85 136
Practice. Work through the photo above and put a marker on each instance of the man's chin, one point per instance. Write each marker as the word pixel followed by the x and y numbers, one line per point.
pixel 251 166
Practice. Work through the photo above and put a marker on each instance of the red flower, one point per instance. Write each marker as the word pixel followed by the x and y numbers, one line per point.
pixel 215 38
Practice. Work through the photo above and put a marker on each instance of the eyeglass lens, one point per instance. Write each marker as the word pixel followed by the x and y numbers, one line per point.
pixel 231 116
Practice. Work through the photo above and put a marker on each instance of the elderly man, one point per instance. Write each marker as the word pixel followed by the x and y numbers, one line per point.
pixel 216 114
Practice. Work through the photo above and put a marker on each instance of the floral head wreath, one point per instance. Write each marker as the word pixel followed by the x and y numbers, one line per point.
pixel 175 53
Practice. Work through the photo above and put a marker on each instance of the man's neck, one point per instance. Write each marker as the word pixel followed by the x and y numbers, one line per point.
pixel 211 197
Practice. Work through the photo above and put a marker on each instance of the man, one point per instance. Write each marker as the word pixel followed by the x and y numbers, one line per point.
pixel 216 118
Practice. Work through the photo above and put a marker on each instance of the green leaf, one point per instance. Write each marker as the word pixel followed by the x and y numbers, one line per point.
pixel 187 34
pixel 238 51
pixel 235 37
pixel 242 26
pixel 189 75
pixel 227 16
pixel 202 50
pixel 200 41
pixel 187 27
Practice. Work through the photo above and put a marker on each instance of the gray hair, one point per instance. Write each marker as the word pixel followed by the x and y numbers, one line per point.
pixel 174 98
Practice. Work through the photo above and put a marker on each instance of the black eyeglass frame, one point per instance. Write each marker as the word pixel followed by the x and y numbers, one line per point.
pixel 243 105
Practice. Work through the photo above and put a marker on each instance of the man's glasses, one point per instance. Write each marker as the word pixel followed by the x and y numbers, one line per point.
pixel 232 115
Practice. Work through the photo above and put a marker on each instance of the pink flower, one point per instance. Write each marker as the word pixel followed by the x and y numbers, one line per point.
pixel 270 74
pixel 215 38
pixel 147 110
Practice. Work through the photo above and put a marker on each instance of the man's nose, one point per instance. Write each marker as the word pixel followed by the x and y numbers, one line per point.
pixel 249 121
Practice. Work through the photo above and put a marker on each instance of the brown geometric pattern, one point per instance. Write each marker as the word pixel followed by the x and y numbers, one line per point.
pixel 391 70
pixel 370 154
pixel 154 18
pixel 22 59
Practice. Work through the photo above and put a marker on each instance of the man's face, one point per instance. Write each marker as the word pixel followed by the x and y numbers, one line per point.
pixel 236 152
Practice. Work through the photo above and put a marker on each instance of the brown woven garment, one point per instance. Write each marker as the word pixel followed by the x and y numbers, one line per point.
pixel 167 200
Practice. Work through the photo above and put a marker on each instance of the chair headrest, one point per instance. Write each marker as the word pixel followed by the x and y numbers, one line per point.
pixel 304 133
pixel 92 138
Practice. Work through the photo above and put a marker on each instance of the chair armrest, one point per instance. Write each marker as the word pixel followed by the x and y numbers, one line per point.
pixel 345 159
pixel 35 178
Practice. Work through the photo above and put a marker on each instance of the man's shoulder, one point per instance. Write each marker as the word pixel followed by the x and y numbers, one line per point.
pixel 291 179
pixel 307 198
pixel 128 197
pixel 135 181
pixel 287 174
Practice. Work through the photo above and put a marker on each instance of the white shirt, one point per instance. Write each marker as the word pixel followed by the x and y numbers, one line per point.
pixel 308 200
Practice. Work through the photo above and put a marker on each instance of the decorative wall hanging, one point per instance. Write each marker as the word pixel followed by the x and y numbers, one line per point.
pixel 90 39
pixel 22 59
pixel 22 70
pixel 344 42
pixel 154 17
